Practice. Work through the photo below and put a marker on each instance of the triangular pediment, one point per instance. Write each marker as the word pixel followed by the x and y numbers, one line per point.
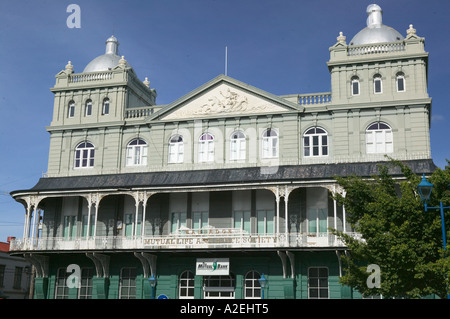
pixel 225 96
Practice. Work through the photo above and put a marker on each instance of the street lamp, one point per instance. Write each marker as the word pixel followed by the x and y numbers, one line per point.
pixel 424 188
pixel 262 283
pixel 152 280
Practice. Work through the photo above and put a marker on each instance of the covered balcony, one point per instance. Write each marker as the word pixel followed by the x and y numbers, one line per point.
pixel 272 217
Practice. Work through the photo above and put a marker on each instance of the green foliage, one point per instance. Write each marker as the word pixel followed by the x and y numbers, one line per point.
pixel 397 234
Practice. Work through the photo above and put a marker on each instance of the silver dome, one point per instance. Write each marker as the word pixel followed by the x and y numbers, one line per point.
pixel 376 31
pixel 107 61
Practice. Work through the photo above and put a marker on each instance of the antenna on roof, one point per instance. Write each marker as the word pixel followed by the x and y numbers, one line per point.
pixel 226 60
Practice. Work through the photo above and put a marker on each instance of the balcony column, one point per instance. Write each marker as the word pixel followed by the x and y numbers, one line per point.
pixel 334 208
pixel 136 215
pixel 96 198
pixel 277 198
pixel 92 199
pixel 27 218
pixel 89 218
pixel 344 222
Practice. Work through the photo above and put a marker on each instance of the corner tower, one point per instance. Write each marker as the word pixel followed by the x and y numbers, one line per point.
pixel 382 76
pixel 92 106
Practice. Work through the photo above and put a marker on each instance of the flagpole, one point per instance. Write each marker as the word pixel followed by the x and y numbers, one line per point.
pixel 226 60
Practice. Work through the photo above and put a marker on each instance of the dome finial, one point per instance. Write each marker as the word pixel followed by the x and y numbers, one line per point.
pixel 411 30
pixel 69 67
pixel 375 15
pixel 147 82
pixel 341 38
pixel 112 45
pixel 122 61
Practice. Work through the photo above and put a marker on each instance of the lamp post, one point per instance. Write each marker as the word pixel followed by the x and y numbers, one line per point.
pixel 262 283
pixel 424 188
pixel 152 280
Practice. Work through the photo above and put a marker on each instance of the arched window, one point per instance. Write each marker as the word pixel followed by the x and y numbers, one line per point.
pixel 270 144
pixel 252 287
pixel 186 285
pixel 315 142
pixel 84 155
pixel 355 85
pixel 71 109
pixel 400 82
pixel 379 139
pixel 237 146
pixel 136 153
pixel 105 106
pixel 206 148
pixel 377 84
pixel 88 108
pixel 176 149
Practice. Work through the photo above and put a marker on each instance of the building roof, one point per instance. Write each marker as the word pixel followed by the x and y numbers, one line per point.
pixel 211 177
pixel 376 31
pixel 4 247
pixel 107 61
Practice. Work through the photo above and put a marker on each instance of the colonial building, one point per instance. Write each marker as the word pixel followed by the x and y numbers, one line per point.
pixel 229 182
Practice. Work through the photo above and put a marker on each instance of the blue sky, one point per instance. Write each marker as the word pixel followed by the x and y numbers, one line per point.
pixel 280 46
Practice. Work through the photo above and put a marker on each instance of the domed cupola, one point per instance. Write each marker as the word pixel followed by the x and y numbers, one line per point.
pixel 107 61
pixel 376 31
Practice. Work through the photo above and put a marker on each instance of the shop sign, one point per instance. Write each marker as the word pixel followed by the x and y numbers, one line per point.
pixel 212 266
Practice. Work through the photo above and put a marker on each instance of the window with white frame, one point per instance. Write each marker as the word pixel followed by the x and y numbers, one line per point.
pixel 265 221
pixel 377 84
pixel 219 287
pixel 127 283
pixel 252 287
pixel 270 144
pixel 379 139
pixel 176 149
pixel 206 148
pixel 186 285
pixel 178 220
pixel 315 142
pixel 318 283
pixel 105 106
pixel 71 109
pixel 242 220
pixel 137 153
pixel 61 288
pixel 88 108
pixel 85 291
pixel 355 85
pixel 84 155
pixel 70 226
pixel 400 82
pixel 237 146
pixel 199 220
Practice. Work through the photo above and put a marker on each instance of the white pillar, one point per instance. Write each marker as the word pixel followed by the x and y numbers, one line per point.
pixel 89 219
pixel 136 218
pixel 27 213
pixel 96 217
pixel 144 208
pixel 277 198
pixel 286 196
pixel 33 227
pixel 344 228
pixel 335 209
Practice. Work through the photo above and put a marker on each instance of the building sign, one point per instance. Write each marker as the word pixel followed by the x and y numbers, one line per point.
pixel 212 266
pixel 216 237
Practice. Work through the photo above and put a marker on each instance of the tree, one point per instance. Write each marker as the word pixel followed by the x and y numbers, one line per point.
pixel 397 234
